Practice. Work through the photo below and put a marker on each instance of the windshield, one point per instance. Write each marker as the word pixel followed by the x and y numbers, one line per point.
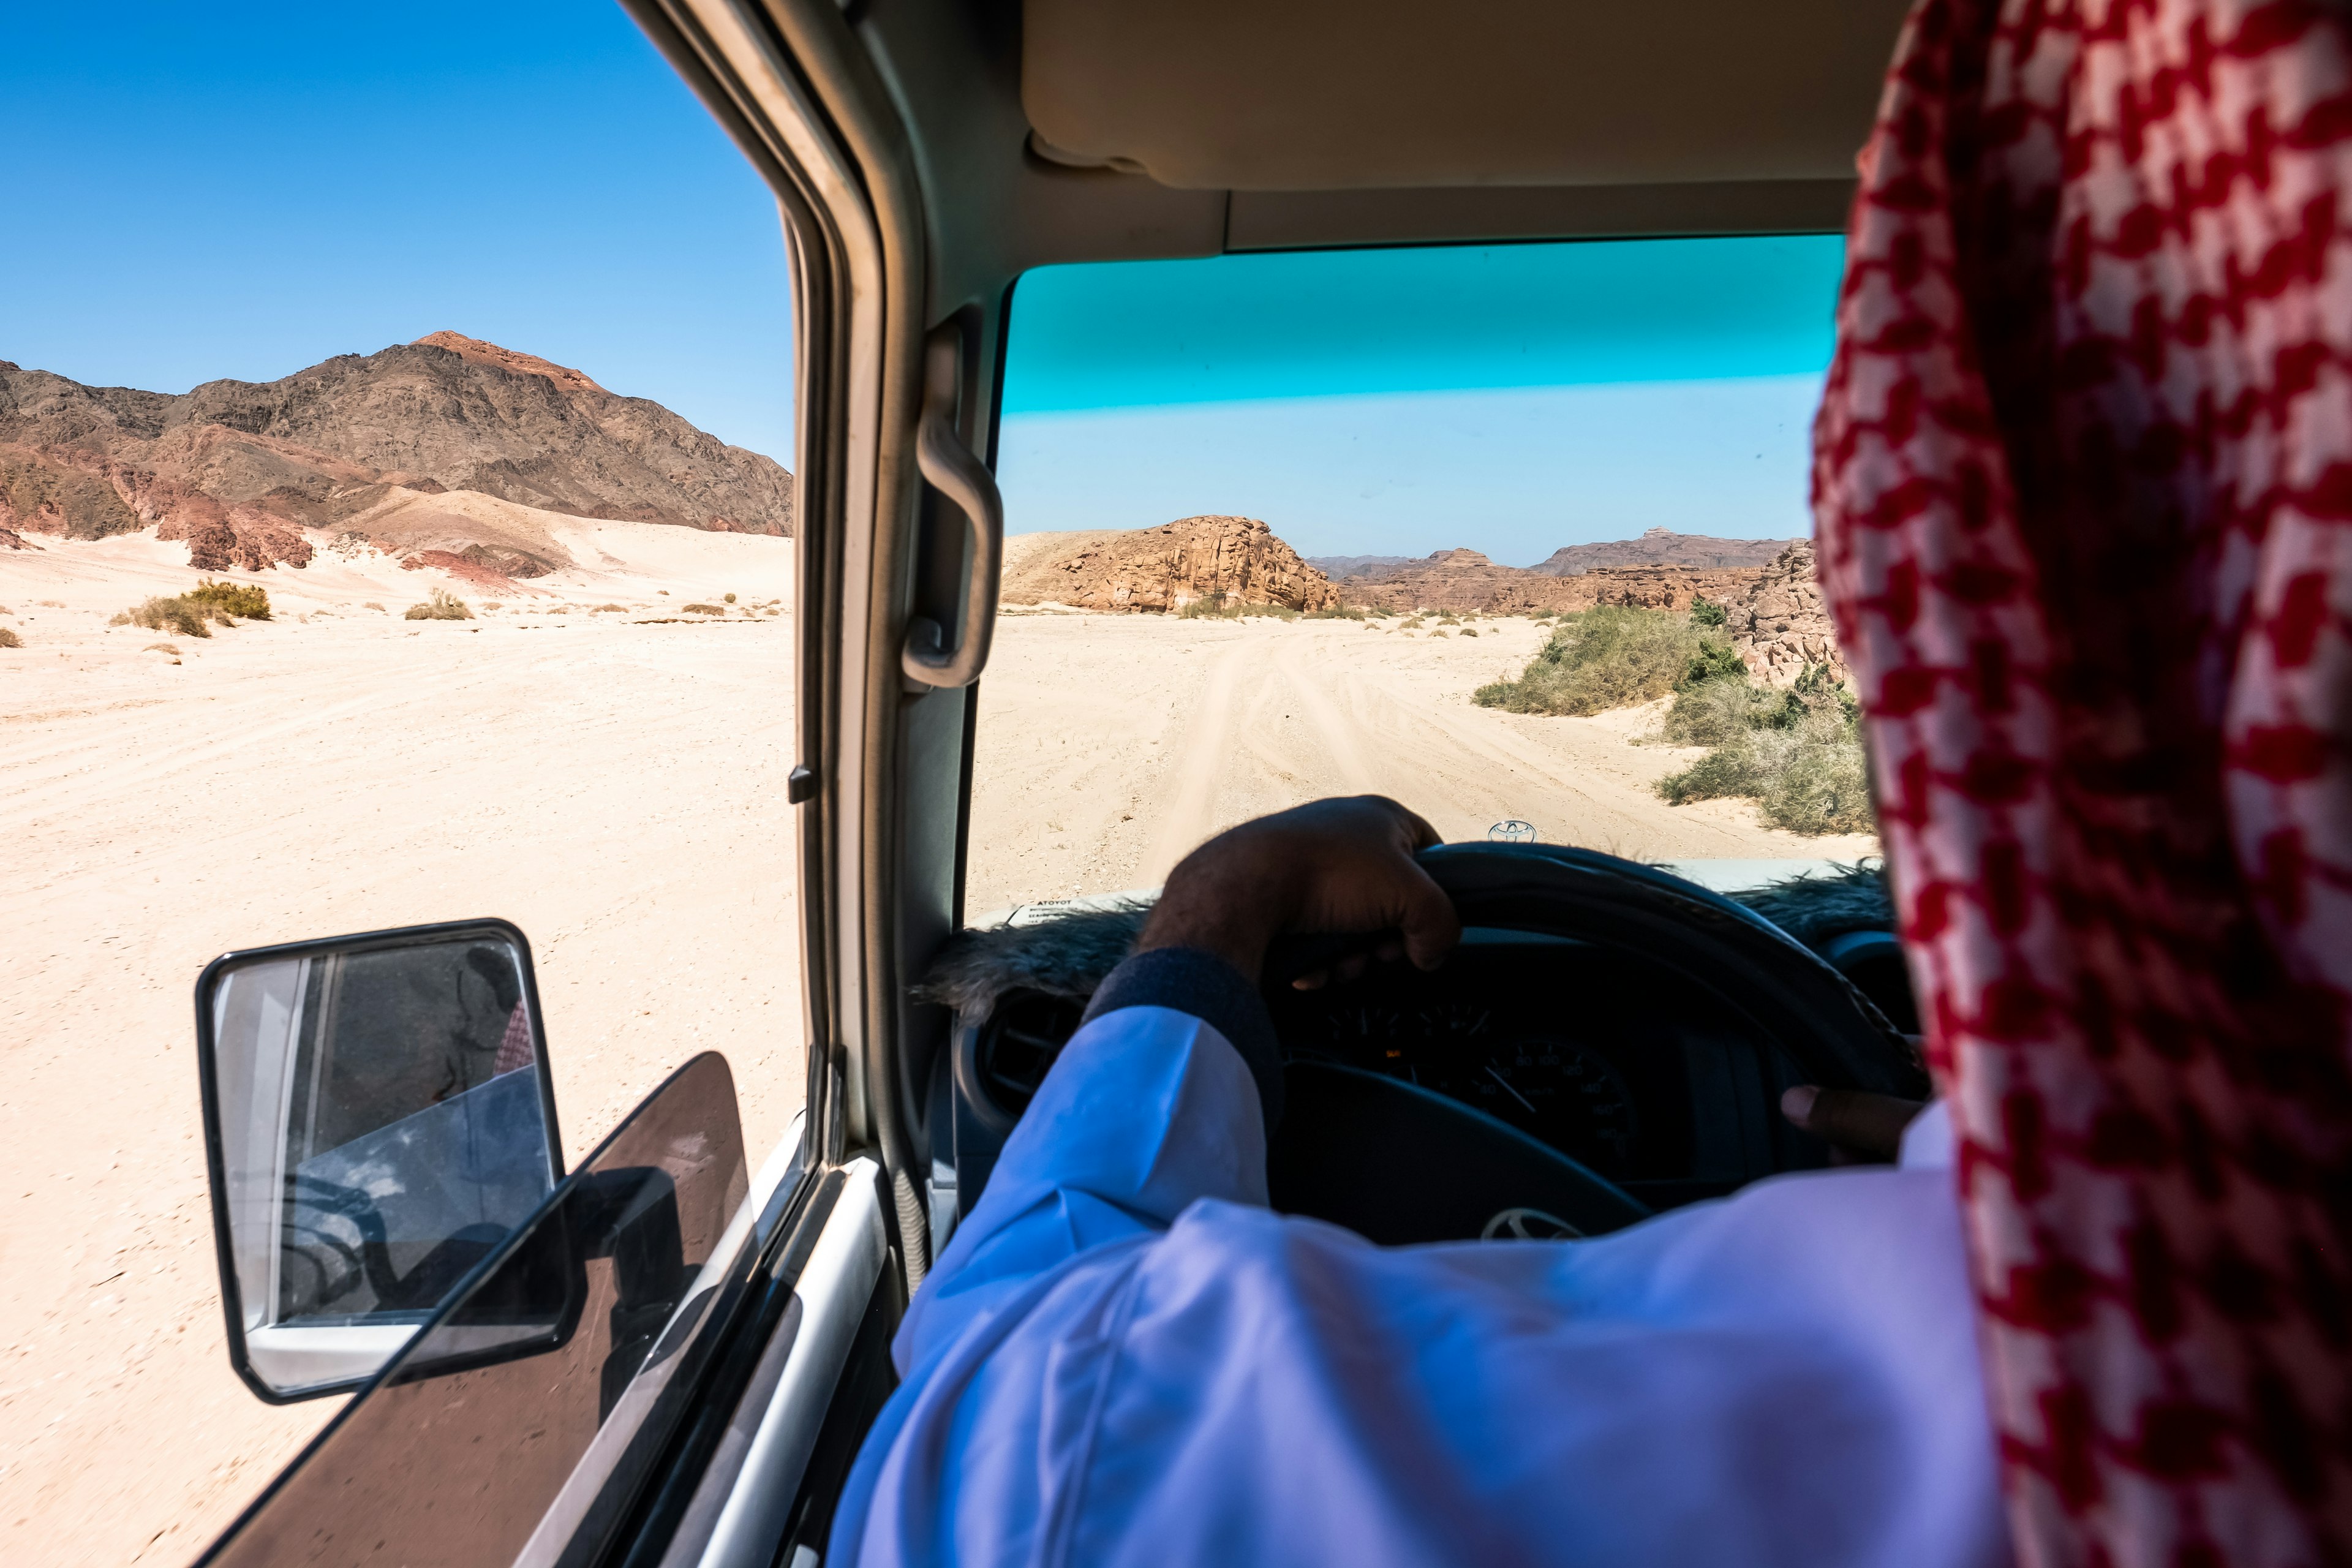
pixel 1516 534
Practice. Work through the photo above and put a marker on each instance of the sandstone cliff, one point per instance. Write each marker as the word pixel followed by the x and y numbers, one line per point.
pixel 239 469
pixel 1662 547
pixel 1779 624
pixel 1465 580
pixel 1161 570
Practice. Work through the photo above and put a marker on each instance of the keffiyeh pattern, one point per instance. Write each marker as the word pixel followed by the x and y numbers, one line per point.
pixel 2083 489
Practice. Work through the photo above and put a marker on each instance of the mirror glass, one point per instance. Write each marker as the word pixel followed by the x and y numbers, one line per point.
pixel 380 1122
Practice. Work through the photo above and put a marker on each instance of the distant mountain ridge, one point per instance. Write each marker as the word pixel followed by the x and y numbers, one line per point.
pixel 1662 547
pixel 239 469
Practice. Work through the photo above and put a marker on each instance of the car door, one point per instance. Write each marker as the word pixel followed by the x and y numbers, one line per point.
pixel 673 1357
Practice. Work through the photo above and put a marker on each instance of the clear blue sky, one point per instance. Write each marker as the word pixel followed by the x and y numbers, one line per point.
pixel 243 190
pixel 1511 398
pixel 198 191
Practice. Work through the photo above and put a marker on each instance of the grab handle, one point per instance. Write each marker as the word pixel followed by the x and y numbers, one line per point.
pixel 965 480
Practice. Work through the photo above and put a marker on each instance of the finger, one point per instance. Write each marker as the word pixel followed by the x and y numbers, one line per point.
pixel 1852 1118
pixel 1313 980
pixel 1419 834
pixel 1430 927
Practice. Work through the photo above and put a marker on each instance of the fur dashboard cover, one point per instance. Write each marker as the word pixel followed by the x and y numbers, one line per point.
pixel 1067 953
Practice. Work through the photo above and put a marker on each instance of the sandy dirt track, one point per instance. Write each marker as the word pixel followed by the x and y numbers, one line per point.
pixel 1108 746
pixel 616 789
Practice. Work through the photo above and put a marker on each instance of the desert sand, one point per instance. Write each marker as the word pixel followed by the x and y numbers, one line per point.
pixel 616 786
pixel 618 790
pixel 1109 745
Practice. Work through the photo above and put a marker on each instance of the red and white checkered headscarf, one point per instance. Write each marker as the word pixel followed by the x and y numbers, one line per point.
pixel 2084 487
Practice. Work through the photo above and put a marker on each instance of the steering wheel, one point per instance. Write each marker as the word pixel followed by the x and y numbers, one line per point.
pixel 1399 1164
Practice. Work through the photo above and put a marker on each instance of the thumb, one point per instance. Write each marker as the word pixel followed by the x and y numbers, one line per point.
pixel 1430 926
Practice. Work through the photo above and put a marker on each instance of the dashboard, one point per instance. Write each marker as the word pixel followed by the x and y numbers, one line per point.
pixel 1636 1070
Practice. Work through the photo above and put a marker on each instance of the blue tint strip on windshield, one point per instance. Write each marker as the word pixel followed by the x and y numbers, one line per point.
pixel 1323 323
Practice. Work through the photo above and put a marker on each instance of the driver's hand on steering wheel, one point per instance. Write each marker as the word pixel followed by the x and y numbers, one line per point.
pixel 1858 1126
pixel 1341 867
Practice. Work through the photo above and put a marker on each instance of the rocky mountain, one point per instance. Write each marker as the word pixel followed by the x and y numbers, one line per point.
pixel 1779 624
pixel 240 469
pixel 1163 568
pixel 1662 547
pixel 1465 580
pixel 1337 566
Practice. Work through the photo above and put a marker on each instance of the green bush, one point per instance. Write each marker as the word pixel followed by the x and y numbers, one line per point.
pixel 1607 657
pixel 1797 754
pixel 245 601
pixel 1706 612
pixel 444 605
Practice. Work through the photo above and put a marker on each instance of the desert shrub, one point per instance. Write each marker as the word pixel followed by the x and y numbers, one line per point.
pixel 1469 631
pixel 370 605
pixel 1607 657
pixel 172 648
pixel 1338 613
pixel 492 605
pixel 173 614
pixel 729 597
pixel 245 601
pixel 1217 606
pixel 1711 661
pixel 8 637
pixel 444 605
pixel 611 609
pixel 1797 754
pixel 1706 612
pixel 703 609
pixel 1449 620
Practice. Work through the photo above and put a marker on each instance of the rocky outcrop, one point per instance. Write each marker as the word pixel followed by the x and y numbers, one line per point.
pixel 1779 625
pixel 1461 580
pixel 1144 571
pixel 1662 547
pixel 235 467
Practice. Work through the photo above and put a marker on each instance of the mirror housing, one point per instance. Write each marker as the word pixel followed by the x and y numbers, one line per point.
pixel 378 1118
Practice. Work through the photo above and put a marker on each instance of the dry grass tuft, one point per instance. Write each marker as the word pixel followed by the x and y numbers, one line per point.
pixel 172 648
pixel 730 599
pixel 609 610
pixel 173 614
pixel 227 601
pixel 8 637
pixel 371 604
pixel 443 606
pixel 703 609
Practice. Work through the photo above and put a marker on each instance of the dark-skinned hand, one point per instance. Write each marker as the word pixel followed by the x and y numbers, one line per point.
pixel 1339 867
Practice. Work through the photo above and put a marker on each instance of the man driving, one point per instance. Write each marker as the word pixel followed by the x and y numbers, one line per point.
pixel 1124 1356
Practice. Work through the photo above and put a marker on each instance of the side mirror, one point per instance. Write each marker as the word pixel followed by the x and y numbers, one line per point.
pixel 378 1118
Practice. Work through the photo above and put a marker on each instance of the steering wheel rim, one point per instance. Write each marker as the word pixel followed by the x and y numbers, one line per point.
pixel 1792 999
pixel 1833 1034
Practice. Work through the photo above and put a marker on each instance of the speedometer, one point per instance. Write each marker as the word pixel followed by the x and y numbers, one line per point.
pixel 1551 1088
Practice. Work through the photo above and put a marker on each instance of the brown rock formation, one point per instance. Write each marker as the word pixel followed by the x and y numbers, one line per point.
pixel 1779 624
pixel 1662 547
pixel 446 413
pixel 480 353
pixel 1163 568
pixel 1465 580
